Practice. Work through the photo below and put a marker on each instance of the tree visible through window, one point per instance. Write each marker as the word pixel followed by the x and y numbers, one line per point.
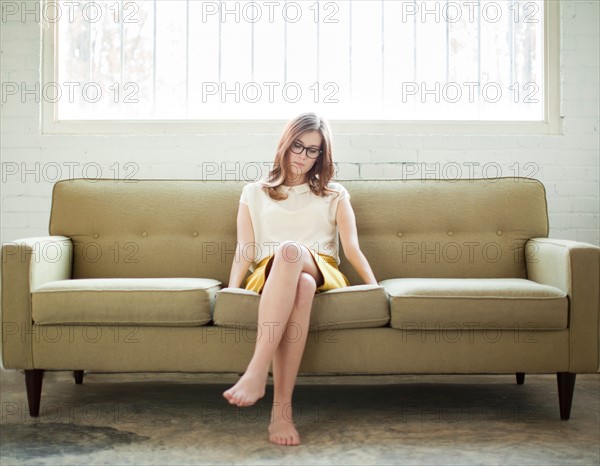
pixel 353 60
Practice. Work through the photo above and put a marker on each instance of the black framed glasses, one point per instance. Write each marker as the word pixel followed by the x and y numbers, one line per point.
pixel 311 152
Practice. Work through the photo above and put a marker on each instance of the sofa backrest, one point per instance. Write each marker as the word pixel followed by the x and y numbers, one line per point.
pixel 471 228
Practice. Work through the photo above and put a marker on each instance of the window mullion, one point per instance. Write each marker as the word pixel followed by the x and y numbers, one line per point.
pixel 154 62
pixel 252 51
pixel 415 44
pixel 187 56
pixel 285 51
pixel 220 50
pixel 382 54
pixel 479 53
pixel 318 43
pixel 350 52
pixel 122 33
pixel 447 47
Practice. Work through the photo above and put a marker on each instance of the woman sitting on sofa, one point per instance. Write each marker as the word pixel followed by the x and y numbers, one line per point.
pixel 296 209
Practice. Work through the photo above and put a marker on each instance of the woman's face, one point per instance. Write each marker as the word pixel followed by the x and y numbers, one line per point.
pixel 300 164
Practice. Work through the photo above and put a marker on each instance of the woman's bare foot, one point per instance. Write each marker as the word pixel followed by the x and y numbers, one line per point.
pixel 247 390
pixel 282 430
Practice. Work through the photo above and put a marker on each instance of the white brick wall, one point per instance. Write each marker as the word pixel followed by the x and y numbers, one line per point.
pixel 567 164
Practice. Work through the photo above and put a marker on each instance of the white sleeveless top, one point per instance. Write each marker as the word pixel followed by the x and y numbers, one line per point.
pixel 303 217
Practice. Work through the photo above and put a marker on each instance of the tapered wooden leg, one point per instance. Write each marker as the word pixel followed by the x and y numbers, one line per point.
pixel 78 377
pixel 566 387
pixel 520 378
pixel 33 383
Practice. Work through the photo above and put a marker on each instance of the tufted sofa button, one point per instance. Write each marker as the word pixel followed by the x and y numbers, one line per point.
pixel 195 234
pixel 450 233
pixel 499 232
pixel 96 235
pixel 144 233
pixel 399 234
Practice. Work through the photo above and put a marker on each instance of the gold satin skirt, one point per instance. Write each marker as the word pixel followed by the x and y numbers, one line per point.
pixel 333 278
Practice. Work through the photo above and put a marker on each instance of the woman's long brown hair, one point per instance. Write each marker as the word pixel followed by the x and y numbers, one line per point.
pixel 321 172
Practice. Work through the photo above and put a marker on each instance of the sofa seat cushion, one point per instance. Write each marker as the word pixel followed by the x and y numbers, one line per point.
pixel 360 306
pixel 143 301
pixel 465 303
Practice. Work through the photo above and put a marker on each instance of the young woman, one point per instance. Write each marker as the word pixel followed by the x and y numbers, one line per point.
pixel 287 225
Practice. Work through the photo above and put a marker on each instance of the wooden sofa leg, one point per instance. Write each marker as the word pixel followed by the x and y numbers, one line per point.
pixel 566 387
pixel 78 377
pixel 33 383
pixel 520 378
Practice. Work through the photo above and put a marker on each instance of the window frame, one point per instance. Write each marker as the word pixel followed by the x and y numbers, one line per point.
pixel 550 125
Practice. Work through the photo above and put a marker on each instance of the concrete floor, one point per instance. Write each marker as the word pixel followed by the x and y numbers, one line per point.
pixel 408 419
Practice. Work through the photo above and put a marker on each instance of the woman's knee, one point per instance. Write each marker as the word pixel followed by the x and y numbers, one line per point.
pixel 306 287
pixel 290 252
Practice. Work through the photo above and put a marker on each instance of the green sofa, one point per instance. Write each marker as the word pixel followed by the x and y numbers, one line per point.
pixel 133 278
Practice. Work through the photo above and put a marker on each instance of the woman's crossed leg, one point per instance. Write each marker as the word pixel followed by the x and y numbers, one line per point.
pixel 283 319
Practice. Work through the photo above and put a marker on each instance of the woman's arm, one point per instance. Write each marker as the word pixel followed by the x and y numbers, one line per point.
pixel 244 249
pixel 346 222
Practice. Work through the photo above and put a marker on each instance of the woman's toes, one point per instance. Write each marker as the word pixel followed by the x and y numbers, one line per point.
pixel 230 395
pixel 283 432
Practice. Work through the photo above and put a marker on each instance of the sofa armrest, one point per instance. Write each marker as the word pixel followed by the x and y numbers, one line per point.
pixel 574 267
pixel 27 264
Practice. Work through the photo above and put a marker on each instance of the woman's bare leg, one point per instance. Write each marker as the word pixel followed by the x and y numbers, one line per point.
pixel 274 310
pixel 286 363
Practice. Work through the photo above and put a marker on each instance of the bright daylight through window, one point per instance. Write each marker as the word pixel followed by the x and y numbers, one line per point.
pixel 358 60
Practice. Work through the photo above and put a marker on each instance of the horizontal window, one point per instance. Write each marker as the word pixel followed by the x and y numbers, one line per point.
pixel 382 62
